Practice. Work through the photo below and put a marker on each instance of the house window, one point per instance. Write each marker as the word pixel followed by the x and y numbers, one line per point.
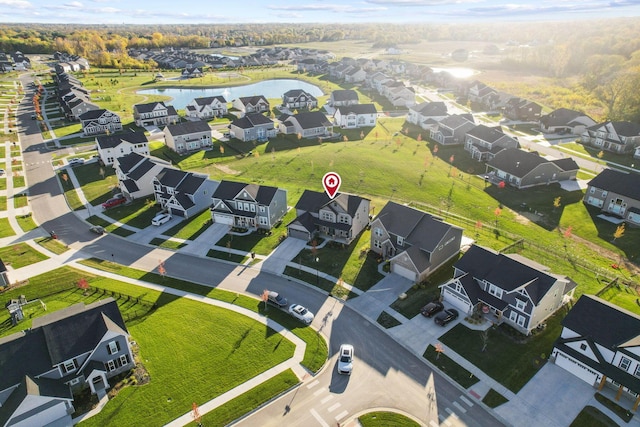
pixel 400 241
pixel 637 371
pixel 604 193
pixel 253 208
pixel 263 220
pixel 74 381
pixel 110 365
pixel 124 359
pixel 513 316
pixel 377 244
pixel 520 305
pixel 262 209
pixel 69 366
pixel 521 320
pixel 377 232
pixel 495 291
pixel 624 363
pixel 113 347
pixel 583 346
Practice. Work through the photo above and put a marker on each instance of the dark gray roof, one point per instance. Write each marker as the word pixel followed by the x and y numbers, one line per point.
pixel 209 99
pixel 560 117
pixel 129 161
pixel 295 93
pixel 505 272
pixel 518 162
pixel 357 109
pixel 311 120
pixel 147 108
pixel 431 108
pixel 186 128
pixel 31 386
pixel 625 184
pixel 621 128
pixel 251 120
pixel 230 190
pixel 454 121
pixel 313 201
pixel 93 114
pixel 190 184
pixel 143 167
pixel 112 141
pixel 252 100
pixel 344 95
pixel 594 318
pixel 170 177
pixel 486 133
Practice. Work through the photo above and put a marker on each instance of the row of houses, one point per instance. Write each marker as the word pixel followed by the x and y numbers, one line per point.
pixel 15 61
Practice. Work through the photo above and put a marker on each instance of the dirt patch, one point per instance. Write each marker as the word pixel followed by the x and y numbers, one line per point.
pixel 226 169
pixel 520 219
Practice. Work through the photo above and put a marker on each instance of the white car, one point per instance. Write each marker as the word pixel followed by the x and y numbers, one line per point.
pixel 74 161
pixel 345 359
pixel 160 219
pixel 301 313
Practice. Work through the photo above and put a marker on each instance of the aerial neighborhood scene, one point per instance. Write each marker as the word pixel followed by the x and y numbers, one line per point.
pixel 375 213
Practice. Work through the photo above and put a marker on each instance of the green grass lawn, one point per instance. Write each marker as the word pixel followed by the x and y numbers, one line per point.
pixel 3 203
pixel 18 181
pixel 386 419
pixel 26 223
pixel 19 201
pixel 52 245
pixel 507 361
pixel 190 229
pixel 225 255
pixel 166 243
pixel 67 129
pixel 333 288
pixel 493 399
pixel 456 372
pixel 591 416
pixel 5 228
pixel 138 213
pixel 69 191
pixel 97 182
pixel 387 321
pixel 21 255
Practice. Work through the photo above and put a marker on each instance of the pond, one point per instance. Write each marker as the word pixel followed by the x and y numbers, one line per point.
pixel 180 97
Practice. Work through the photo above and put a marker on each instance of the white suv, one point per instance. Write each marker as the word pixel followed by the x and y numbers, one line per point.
pixel 160 219
pixel 345 359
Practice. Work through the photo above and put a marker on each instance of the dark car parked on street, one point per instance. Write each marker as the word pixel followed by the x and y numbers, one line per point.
pixel 432 308
pixel 446 316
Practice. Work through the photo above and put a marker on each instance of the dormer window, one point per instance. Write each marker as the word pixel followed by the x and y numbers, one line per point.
pixel 520 305
pixel 113 347
pixel 400 241
pixel 69 366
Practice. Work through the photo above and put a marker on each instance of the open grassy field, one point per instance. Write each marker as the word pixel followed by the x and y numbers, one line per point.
pixel 20 255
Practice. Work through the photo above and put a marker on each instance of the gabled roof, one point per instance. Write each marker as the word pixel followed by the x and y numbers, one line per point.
pixel 94 114
pixel 344 95
pixel 505 272
pixel 252 100
pixel 311 120
pixel 230 190
pixel 147 108
pixel 186 128
pixel 486 133
pixel 190 184
pixel 518 162
pixel 313 201
pixel 454 121
pixel 170 177
pixel 357 109
pixel 129 161
pixel 427 109
pixel 295 93
pixel 251 120
pixel 209 100
pixel 620 128
pixel 112 141
pixel 605 323
pixel 625 184
pixel 562 116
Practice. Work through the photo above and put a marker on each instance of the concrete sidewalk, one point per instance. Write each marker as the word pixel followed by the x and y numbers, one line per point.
pixel 278 259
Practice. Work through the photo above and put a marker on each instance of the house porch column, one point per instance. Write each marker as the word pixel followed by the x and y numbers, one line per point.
pixel 619 394
pixel 635 405
pixel 602 382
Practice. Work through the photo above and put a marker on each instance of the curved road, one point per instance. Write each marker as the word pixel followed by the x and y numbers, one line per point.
pixel 385 374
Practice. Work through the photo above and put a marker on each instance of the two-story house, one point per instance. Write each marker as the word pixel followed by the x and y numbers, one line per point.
pixel 110 147
pixel 354 75
pixel 616 193
pixel 427 114
pixel 483 142
pixel 342 97
pixel 298 98
pixel 507 288
pixel 340 219
pixel 600 344
pixel 415 243
pixel 253 127
pixel 206 108
pixel 95 122
pixel 188 136
pixel 76 347
pixel 249 206
pixel 154 114
pixel 564 120
pixel 452 130
pixel 312 124
pixel 356 116
pixel 183 193
pixel 478 92
pixel 523 169
pixel 251 104
pixel 135 173
pixel 617 137
pixel 522 110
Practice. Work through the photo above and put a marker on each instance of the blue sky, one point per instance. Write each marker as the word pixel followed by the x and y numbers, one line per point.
pixel 321 11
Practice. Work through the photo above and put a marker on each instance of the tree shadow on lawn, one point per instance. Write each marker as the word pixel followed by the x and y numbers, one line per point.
pixel 627 243
pixel 536 203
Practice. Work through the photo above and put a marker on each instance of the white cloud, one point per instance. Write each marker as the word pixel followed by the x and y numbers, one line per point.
pixel 20 4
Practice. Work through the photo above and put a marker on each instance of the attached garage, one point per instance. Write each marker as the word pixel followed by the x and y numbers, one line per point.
pixel 297 233
pixel 222 219
pixel 403 271
pixel 581 371
pixel 457 301
pixel 177 212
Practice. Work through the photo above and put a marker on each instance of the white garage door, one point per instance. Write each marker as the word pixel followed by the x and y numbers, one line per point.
pixel 403 271
pixel 299 234
pixel 222 219
pixel 576 368
pixel 456 301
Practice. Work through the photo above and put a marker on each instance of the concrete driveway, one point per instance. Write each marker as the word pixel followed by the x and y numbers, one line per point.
pixel 552 398
pixel 278 259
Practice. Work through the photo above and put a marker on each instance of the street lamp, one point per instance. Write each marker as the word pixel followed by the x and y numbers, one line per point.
pixel 317 272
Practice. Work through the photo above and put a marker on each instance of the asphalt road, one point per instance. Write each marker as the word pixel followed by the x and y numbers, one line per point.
pixel 385 374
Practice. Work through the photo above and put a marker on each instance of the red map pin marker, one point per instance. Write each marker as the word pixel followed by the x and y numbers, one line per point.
pixel 331 182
